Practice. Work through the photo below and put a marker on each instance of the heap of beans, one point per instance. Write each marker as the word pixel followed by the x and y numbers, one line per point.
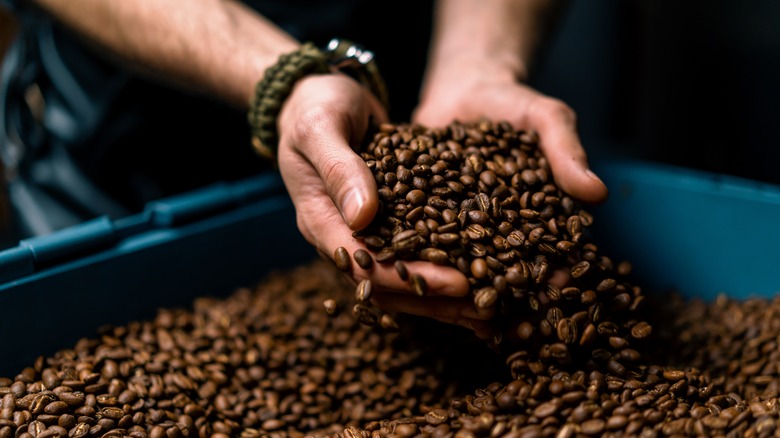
pixel 263 361
pixel 269 362
pixel 713 372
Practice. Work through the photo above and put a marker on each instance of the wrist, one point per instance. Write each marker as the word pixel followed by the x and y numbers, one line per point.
pixel 278 82
pixel 494 66
pixel 461 74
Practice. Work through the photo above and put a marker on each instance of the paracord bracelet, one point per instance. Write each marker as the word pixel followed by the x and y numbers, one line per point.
pixel 278 81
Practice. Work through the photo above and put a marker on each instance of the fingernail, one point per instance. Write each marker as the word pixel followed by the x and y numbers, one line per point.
pixel 351 205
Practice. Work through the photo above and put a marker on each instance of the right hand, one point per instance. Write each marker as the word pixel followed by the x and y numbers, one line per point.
pixel 322 122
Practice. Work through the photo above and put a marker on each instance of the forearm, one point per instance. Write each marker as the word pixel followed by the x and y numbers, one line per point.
pixel 497 36
pixel 219 47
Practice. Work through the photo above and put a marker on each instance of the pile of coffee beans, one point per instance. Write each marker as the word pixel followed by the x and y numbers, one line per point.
pixel 269 362
pixel 260 362
pixel 713 372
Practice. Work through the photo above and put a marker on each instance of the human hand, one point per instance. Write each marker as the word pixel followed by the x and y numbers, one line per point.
pixel 468 91
pixel 320 126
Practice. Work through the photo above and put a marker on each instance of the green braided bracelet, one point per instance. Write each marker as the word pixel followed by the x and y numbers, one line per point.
pixel 278 81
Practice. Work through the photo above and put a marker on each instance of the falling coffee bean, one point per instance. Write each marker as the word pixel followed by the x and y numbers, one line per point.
pixel 342 259
pixel 363 291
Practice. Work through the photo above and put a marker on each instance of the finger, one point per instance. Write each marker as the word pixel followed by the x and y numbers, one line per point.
pixel 346 178
pixel 555 123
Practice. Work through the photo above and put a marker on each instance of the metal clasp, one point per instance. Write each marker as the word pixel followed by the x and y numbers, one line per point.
pixel 344 53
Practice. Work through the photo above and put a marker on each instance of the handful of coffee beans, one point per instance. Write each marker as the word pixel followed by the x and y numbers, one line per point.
pixel 481 197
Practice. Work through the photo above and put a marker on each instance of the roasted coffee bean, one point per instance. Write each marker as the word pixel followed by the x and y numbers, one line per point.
pixel 386 255
pixel 485 298
pixel 388 322
pixel 342 259
pixel 641 330
pixel 479 268
pixel 419 285
pixel 363 291
pixel 400 268
pixel 365 314
pixel 673 375
pixel 435 256
pixel 363 259
pixel 567 331
pixel 374 243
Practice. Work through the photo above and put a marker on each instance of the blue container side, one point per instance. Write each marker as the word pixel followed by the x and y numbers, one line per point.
pixel 73 241
pixel 696 233
pixel 53 308
pixel 16 262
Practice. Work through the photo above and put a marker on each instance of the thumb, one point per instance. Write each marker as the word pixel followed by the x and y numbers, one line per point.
pixel 556 124
pixel 347 179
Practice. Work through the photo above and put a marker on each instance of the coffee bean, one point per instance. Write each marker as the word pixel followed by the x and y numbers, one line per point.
pixel 594 426
pixel 388 323
pixel 567 331
pixel 485 298
pixel 386 255
pixel 416 197
pixel 479 268
pixel 400 268
pixel 363 291
pixel 435 256
pixel 674 375
pixel 641 330
pixel 342 259
pixel 374 243
pixel 525 330
pixel 365 314
pixel 580 269
pixel 363 259
pixel 419 285
pixel 547 409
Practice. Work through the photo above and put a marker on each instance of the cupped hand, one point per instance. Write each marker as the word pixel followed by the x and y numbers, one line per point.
pixel 469 92
pixel 321 125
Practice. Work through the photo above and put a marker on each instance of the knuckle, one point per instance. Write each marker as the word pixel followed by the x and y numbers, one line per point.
pixel 311 121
